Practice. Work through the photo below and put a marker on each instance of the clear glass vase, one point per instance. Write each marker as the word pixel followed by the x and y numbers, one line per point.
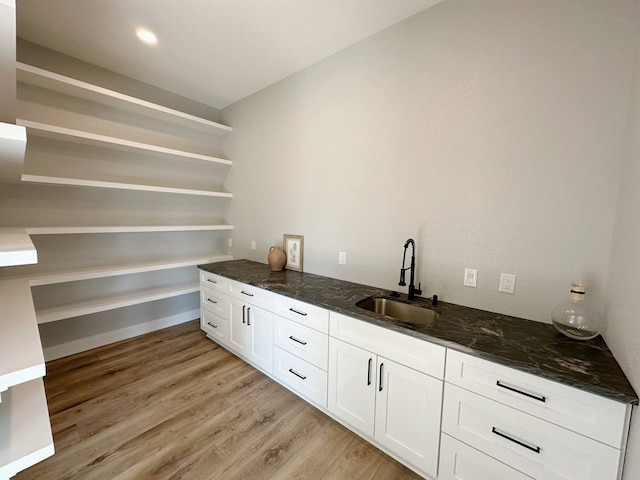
pixel 577 318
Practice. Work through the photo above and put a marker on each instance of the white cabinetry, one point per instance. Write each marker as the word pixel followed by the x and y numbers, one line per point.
pixel 543 429
pixel 397 406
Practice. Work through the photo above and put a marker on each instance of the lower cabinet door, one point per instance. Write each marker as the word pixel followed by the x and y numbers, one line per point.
pixel 352 379
pixel 459 461
pixel 408 411
pixel 214 326
pixel 259 337
pixel 237 337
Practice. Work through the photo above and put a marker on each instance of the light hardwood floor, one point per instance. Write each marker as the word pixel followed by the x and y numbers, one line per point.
pixel 174 405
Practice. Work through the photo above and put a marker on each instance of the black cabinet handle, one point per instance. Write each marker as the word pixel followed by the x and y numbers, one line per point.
pixel 380 383
pixel 540 398
pixel 211 300
pixel 212 325
pixel 369 372
pixel 298 312
pixel 297 374
pixel 517 442
pixel 248 316
pixel 301 342
pixel 244 307
pixel 247 293
pixel 211 281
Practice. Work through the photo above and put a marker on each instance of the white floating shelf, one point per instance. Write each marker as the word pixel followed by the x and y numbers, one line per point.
pixel 131 229
pixel 70 86
pixel 77 182
pixel 103 305
pixel 115 270
pixel 45 130
pixel 13 143
pixel 16 248
pixel 25 427
pixel 20 346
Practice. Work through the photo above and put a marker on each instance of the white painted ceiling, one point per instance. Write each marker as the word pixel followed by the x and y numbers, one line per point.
pixel 213 51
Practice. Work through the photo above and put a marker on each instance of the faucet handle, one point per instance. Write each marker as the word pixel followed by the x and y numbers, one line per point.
pixel 418 291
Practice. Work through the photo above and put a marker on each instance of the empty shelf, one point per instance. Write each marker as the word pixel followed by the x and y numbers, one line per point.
pixel 16 248
pixel 20 347
pixel 87 138
pixel 25 427
pixel 77 182
pixel 122 229
pixel 70 86
pixel 13 142
pixel 102 305
pixel 115 270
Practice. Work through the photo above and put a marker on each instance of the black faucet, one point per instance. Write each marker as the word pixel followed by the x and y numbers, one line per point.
pixel 413 291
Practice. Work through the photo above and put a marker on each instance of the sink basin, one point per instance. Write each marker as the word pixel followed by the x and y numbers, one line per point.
pixel 402 311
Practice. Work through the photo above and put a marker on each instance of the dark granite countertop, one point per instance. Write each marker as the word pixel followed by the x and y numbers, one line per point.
pixel 525 345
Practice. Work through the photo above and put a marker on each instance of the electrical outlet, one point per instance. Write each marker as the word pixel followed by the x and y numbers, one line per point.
pixel 230 242
pixel 470 277
pixel 507 283
pixel 342 258
pixel 253 244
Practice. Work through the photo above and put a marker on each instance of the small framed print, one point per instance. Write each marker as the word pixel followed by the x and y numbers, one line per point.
pixel 294 248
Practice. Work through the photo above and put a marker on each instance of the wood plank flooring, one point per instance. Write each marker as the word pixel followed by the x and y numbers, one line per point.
pixel 174 405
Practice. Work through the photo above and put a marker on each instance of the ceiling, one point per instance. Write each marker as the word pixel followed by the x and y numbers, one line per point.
pixel 213 51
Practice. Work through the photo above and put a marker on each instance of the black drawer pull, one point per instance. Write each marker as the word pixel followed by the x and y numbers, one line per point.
pixel 380 384
pixel 297 374
pixel 530 395
pixel 211 281
pixel 247 293
pixel 211 300
pixel 298 312
pixel 212 325
pixel 301 342
pixel 518 442
pixel 369 372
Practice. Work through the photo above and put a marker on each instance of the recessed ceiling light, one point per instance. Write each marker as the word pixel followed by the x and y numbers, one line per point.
pixel 147 36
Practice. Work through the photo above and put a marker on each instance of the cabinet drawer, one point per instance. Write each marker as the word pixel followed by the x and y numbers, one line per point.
pixel 214 281
pixel 250 294
pixel 461 462
pixel 418 354
pixel 310 345
pixel 214 301
pixel 596 417
pixel 303 313
pixel 537 448
pixel 308 381
pixel 214 326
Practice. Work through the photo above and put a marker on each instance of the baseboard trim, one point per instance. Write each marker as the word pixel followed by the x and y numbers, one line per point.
pixel 81 345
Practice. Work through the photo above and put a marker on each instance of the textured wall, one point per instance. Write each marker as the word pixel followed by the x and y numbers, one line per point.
pixel 623 288
pixel 490 132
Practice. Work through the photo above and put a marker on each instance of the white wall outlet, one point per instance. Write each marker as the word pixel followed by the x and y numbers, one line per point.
pixel 253 244
pixel 230 242
pixel 342 258
pixel 470 277
pixel 507 283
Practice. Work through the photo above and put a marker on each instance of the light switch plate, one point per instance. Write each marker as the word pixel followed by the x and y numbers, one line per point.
pixel 342 258
pixel 470 277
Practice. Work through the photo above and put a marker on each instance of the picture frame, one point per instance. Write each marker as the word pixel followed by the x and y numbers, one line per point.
pixel 294 248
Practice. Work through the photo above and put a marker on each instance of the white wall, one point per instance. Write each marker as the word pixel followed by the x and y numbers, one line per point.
pixel 623 288
pixel 7 61
pixel 490 132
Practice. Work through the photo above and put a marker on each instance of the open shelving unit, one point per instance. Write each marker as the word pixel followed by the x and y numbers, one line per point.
pixel 24 423
pixel 104 304
pixel 116 270
pixel 39 77
pixel 124 229
pixel 78 182
pixel 37 129
pixel 16 248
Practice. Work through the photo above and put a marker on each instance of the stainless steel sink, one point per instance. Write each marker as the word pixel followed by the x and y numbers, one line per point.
pixel 402 311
